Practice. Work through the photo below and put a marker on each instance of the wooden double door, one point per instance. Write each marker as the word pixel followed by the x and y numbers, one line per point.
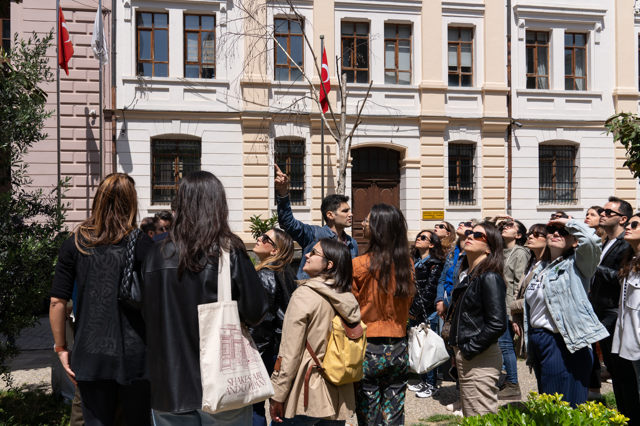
pixel 375 178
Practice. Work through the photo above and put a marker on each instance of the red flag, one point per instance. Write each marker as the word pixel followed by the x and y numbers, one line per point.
pixel 324 76
pixel 65 47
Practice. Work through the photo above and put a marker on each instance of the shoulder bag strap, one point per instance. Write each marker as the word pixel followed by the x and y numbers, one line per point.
pixel 224 276
pixel 317 365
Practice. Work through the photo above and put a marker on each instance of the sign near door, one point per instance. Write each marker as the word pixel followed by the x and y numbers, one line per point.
pixel 432 214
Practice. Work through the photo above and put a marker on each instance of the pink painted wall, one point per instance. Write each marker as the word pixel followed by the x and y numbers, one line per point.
pixel 78 96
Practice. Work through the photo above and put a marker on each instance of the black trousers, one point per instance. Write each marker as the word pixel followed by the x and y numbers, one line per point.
pixel 102 398
pixel 625 385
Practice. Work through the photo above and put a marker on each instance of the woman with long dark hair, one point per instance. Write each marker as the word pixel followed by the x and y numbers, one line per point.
pixel 274 249
pixel 626 338
pixel 108 356
pixel 447 234
pixel 383 283
pixel 180 274
pixel 302 394
pixel 428 258
pixel 560 324
pixel 477 318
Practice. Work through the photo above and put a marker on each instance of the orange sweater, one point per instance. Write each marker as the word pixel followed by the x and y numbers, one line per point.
pixel 384 314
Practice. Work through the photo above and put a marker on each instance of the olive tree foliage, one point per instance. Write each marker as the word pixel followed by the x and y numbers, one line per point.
pixel 340 124
pixel 32 219
pixel 625 128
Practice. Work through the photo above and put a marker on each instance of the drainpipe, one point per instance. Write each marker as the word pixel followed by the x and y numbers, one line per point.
pixel 114 154
pixel 509 100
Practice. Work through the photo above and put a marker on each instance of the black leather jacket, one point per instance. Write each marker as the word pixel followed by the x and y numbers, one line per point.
pixel 427 276
pixel 605 287
pixel 279 287
pixel 479 317
pixel 170 309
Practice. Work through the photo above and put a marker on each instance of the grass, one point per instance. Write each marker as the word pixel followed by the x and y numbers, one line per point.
pixel 440 419
pixel 609 400
pixel 32 406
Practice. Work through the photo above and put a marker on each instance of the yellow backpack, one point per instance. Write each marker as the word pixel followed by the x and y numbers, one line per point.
pixel 342 363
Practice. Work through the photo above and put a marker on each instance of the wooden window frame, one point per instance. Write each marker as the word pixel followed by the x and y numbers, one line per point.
pixel 458 43
pixel 175 155
pixel 396 40
pixel 554 186
pixel 289 65
pixel 199 32
pixel 573 48
pixel 152 28
pixel 458 186
pixel 297 194
pixel 535 45
pixel 5 15
pixel 353 56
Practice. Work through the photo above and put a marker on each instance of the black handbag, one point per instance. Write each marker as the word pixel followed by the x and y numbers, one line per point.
pixel 130 290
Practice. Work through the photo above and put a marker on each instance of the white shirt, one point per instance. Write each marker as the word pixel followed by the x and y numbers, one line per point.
pixel 539 315
pixel 606 248
pixel 626 338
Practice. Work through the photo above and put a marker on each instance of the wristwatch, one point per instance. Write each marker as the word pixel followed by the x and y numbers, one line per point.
pixel 59 348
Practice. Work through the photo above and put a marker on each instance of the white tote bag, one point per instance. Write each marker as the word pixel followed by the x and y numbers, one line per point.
pixel 233 374
pixel 426 349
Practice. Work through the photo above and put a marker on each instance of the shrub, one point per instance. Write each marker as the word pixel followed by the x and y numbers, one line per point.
pixel 549 410
pixel 32 407
pixel 259 226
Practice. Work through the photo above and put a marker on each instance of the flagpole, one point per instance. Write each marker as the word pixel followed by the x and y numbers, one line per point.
pixel 58 194
pixel 100 38
pixel 322 124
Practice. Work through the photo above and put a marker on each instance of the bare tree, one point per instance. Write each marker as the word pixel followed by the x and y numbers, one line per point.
pixel 336 123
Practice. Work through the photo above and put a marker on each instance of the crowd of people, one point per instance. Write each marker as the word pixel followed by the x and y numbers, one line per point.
pixel 563 294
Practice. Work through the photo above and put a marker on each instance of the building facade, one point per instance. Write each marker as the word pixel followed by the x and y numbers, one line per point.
pixel 477 108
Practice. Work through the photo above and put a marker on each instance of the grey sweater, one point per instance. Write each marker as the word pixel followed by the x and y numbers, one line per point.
pixel 515 263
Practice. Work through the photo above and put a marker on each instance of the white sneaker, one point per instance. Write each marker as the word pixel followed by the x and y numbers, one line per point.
pixel 417 387
pixel 458 413
pixel 427 392
pixel 455 406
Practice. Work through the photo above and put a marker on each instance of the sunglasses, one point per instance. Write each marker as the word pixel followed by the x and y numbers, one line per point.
pixel 265 239
pixel 609 212
pixel 507 225
pixel 477 235
pixel 537 234
pixel 465 224
pixel 633 225
pixel 441 226
pixel 314 252
pixel 423 237
pixel 553 229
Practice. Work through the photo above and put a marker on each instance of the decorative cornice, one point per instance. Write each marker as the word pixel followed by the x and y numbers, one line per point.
pixel 459 8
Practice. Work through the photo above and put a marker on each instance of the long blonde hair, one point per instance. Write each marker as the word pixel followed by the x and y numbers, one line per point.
pixel 284 245
pixel 113 213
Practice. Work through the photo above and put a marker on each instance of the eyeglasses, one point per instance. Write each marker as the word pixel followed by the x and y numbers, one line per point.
pixel 633 225
pixel 561 231
pixel 266 239
pixel 441 226
pixel 465 224
pixel 504 225
pixel 537 234
pixel 609 212
pixel 475 235
pixel 422 237
pixel 314 252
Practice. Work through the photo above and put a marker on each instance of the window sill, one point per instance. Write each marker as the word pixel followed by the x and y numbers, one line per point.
pixel 458 89
pixel 558 206
pixel 462 208
pixel 176 81
pixel 560 93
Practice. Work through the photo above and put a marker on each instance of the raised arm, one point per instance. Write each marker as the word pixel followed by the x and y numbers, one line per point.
pixel 300 232
pixel 589 249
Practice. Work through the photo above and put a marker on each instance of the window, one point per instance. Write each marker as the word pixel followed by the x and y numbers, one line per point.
pixel 5 24
pixel 575 61
pixel 460 57
pixel 537 60
pixel 355 51
pixel 171 159
pixel 288 33
pixel 153 44
pixel 638 61
pixel 397 54
pixel 461 174
pixel 199 46
pixel 290 158
pixel 557 167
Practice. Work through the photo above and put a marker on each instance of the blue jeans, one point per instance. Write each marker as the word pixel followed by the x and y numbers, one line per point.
pixel 509 355
pixel 309 421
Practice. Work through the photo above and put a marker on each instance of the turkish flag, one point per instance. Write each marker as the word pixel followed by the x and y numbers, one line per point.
pixel 324 76
pixel 65 47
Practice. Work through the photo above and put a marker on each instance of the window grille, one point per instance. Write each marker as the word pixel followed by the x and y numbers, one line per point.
pixel 558 172
pixel 5 25
pixel 289 156
pixel 171 160
pixel 462 174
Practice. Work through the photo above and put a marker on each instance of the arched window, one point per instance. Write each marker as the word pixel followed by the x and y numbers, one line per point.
pixel 171 158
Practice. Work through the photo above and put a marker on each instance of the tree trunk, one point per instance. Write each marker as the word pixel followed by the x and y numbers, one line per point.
pixel 343 152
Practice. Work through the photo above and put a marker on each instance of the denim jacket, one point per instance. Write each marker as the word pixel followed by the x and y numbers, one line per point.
pixel 565 288
pixel 449 276
pixel 307 235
